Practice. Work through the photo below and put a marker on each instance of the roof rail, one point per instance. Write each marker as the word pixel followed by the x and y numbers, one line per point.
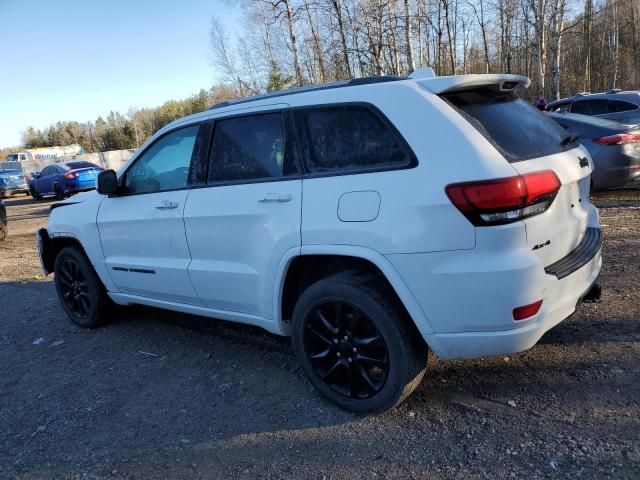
pixel 615 90
pixel 310 88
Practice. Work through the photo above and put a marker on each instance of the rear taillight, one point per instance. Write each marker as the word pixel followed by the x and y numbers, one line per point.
pixel 70 175
pixel 618 139
pixel 505 200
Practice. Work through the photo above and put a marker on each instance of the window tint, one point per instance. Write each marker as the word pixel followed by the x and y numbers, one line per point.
pixel 516 128
pixel 164 165
pixel 50 170
pixel 81 165
pixel 622 106
pixel 250 148
pixel 561 107
pixel 348 138
pixel 591 107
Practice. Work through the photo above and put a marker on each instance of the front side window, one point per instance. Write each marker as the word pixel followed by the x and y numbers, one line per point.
pixel 164 165
pixel 561 107
pixel 349 138
pixel 250 148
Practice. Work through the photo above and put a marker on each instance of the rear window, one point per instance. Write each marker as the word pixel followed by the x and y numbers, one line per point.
pixel 81 165
pixel 515 127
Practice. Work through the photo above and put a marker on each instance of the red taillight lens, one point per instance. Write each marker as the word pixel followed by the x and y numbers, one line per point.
pixel 505 200
pixel 70 175
pixel 619 139
pixel 526 311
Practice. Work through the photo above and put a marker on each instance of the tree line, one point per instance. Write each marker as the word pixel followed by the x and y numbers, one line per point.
pixel 119 131
pixel 564 46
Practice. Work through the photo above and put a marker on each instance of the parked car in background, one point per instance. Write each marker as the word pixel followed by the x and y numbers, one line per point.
pixel 64 179
pixel 12 182
pixel 614 148
pixel 617 105
pixel 4 229
pixel 464 236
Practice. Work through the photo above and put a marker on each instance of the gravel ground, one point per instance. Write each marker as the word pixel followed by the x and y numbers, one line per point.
pixel 165 395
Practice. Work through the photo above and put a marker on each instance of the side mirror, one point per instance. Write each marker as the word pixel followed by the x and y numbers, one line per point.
pixel 35 174
pixel 107 182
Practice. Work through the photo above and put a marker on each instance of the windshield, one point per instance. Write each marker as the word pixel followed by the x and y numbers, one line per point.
pixel 517 129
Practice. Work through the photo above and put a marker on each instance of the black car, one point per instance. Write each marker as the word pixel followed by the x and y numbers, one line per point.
pixel 3 221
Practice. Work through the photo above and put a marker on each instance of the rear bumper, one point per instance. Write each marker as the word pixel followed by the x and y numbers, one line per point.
pixel 564 297
pixel 468 297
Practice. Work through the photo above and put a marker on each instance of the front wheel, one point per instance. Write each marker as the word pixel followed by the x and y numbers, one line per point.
pixel 34 194
pixel 356 344
pixel 80 291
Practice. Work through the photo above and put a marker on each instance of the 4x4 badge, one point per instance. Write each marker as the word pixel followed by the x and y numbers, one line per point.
pixel 583 162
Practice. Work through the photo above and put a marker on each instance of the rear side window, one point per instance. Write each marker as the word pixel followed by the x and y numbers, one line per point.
pixel 250 148
pixel 349 138
pixel 622 106
pixel 591 107
pixel 516 128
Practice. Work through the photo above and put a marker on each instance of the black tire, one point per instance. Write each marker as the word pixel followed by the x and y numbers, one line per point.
pixel 80 291
pixel 59 193
pixel 34 194
pixel 369 310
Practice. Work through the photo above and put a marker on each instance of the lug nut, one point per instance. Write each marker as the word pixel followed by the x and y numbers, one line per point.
pixel 354 349
pixel 335 340
pixel 345 338
pixel 349 360
pixel 338 354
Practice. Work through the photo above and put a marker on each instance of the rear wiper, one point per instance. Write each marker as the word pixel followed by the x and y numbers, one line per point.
pixel 569 139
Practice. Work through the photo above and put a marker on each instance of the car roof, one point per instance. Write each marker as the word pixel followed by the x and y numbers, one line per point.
pixel 323 94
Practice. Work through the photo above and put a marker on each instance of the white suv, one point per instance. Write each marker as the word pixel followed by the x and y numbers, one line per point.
pixel 368 219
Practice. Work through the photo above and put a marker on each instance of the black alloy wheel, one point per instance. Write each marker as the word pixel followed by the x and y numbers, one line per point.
pixel 81 293
pixel 346 349
pixel 74 289
pixel 355 342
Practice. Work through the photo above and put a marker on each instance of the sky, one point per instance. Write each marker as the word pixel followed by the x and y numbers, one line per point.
pixel 78 59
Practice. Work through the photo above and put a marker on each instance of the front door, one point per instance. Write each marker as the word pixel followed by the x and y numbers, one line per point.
pixel 142 228
pixel 243 222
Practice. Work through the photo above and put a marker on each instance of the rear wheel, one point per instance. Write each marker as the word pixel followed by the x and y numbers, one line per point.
pixel 59 192
pixel 80 291
pixel 356 344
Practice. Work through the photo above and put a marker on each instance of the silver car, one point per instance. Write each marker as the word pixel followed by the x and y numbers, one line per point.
pixel 620 106
pixel 614 147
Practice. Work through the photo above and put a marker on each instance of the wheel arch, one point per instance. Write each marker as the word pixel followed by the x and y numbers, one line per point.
pixel 304 266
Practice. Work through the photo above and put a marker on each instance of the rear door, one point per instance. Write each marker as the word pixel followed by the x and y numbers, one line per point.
pixel 531 142
pixel 247 217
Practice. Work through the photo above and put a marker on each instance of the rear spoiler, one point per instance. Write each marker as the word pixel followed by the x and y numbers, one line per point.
pixel 500 82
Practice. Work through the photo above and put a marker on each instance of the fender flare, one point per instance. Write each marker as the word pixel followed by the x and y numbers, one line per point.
pixel 376 258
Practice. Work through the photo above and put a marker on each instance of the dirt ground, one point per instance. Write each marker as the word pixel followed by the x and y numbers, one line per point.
pixel 163 395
